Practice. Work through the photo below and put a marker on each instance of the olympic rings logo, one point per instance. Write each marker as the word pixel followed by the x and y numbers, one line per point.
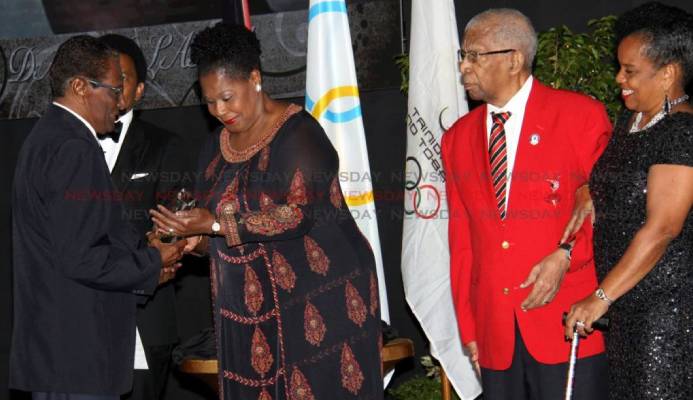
pixel 414 185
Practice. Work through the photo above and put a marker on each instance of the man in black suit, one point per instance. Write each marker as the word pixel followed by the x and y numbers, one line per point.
pixel 78 269
pixel 150 163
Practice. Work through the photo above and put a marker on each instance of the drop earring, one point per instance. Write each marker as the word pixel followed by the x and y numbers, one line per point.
pixel 258 87
pixel 667 104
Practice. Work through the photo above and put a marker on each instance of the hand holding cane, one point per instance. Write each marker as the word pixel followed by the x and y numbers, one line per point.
pixel 602 324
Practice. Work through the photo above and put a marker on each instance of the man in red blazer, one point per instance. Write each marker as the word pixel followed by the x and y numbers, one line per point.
pixel 512 168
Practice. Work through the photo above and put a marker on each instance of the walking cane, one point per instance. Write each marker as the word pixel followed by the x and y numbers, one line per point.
pixel 602 324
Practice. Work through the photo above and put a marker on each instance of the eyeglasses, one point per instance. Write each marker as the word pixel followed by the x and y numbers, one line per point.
pixel 473 56
pixel 117 90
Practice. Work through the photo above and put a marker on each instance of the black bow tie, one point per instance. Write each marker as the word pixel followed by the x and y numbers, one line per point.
pixel 115 135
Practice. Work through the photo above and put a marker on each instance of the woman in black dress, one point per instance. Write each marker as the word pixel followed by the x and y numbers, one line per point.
pixel 642 188
pixel 293 279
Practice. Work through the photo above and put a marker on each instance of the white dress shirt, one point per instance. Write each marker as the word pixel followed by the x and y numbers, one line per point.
pixel 513 126
pixel 111 149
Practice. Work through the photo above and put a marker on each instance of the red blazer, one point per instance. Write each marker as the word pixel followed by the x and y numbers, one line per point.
pixel 489 258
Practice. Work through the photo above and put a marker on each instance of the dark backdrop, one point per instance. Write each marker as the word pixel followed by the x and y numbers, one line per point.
pixel 384 112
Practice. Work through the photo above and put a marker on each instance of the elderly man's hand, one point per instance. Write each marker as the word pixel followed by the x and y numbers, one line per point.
pixel 170 253
pixel 546 278
pixel 474 356
pixel 168 273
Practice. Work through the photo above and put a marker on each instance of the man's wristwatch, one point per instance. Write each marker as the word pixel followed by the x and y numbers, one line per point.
pixel 602 296
pixel 216 227
pixel 568 249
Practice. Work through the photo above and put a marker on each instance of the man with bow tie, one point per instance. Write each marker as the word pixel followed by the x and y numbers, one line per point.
pixel 148 166
pixel 512 169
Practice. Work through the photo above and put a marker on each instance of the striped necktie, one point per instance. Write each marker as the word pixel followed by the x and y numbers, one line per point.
pixel 498 156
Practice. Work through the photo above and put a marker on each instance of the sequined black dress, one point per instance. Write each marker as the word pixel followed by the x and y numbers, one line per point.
pixel 295 291
pixel 650 343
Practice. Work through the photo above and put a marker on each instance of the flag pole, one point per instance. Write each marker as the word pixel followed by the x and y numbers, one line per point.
pixel 436 100
pixel 246 15
pixel 446 389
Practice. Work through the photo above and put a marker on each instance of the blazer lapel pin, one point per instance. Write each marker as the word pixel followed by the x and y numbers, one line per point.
pixel 534 139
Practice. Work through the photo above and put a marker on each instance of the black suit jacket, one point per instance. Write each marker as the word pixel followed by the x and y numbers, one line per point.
pixel 76 266
pixel 151 167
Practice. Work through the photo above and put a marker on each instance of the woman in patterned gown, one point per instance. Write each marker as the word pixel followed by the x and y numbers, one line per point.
pixel 642 188
pixel 294 286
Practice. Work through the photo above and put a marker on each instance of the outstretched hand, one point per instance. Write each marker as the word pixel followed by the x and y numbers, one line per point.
pixel 197 221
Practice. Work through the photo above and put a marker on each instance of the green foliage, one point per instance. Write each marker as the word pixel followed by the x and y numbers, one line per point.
pixel 420 387
pixel 402 62
pixel 583 62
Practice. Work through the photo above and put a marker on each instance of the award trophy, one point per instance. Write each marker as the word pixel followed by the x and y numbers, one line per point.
pixel 183 200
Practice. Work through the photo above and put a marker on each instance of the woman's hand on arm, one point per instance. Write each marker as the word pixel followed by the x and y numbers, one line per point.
pixel 583 208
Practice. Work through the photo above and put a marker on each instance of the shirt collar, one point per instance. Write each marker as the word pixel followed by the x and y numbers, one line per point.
pixel 126 118
pixel 517 103
pixel 79 117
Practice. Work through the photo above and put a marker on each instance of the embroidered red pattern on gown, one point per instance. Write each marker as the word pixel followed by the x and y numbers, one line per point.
pixel 297 191
pixel 264 395
pixel 374 294
pixel 230 197
pixel 263 162
pixel 317 259
pixel 266 202
pixel 336 193
pixel 253 291
pixel 300 389
pixel 283 272
pixel 274 221
pixel 313 324
pixel 352 377
pixel 356 308
pixel 262 358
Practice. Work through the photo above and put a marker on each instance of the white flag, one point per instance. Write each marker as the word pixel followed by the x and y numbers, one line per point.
pixel 436 101
pixel 332 97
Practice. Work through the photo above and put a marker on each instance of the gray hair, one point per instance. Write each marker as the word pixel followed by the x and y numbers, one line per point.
pixel 509 27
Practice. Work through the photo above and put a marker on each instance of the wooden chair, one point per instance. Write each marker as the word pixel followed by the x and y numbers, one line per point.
pixel 207 370
pixel 395 351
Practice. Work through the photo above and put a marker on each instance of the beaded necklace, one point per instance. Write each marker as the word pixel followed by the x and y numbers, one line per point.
pixel 234 156
pixel 658 117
